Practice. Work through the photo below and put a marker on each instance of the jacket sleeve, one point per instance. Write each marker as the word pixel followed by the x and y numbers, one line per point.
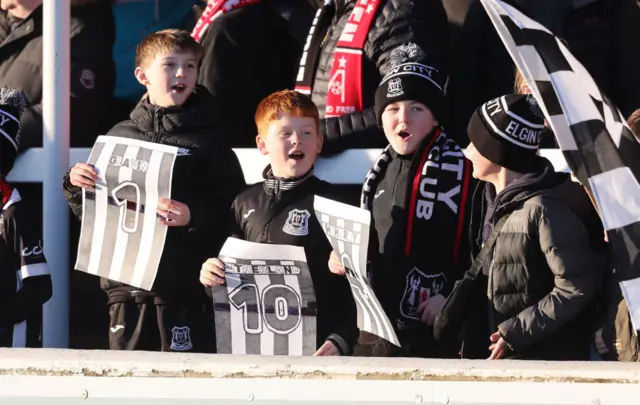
pixel 343 310
pixel 235 226
pixel 73 195
pixel 565 243
pixel 223 180
pixel 92 81
pixel 422 22
pixel 32 272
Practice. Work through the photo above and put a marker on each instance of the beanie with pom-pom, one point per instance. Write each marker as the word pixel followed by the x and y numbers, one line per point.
pixel 410 78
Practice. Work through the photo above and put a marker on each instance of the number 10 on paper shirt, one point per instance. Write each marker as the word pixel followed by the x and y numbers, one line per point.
pixel 121 238
pixel 268 305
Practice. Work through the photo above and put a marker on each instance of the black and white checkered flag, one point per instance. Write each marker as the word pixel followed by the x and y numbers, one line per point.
pixel 592 133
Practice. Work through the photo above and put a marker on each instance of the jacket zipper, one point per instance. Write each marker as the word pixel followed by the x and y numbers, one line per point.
pixel 492 321
pixel 156 126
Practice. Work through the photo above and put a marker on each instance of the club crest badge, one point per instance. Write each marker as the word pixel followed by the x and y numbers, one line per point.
pixel 297 223
pixel 419 287
pixel 181 338
pixel 394 88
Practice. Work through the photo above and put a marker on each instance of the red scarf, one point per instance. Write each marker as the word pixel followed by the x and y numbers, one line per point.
pixel 344 95
pixel 5 192
pixel 214 9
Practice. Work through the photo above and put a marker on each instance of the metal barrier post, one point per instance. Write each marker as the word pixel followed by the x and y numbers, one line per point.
pixel 55 100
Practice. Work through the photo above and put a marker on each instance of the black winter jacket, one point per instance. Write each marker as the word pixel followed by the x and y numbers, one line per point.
pixel 25 282
pixel 545 270
pixel 261 44
pixel 206 179
pixel 336 319
pixel 397 22
pixel 92 69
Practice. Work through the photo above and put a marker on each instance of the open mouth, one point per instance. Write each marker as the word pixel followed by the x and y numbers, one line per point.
pixel 296 155
pixel 178 88
pixel 405 135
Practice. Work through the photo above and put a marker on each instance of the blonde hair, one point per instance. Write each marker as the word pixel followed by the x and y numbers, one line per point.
pixel 170 40
pixel 519 82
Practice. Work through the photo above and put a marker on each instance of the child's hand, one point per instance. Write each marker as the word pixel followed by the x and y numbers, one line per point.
pixel 600 345
pixel 173 213
pixel 429 308
pixel 212 273
pixel 335 265
pixel 327 349
pixel 83 175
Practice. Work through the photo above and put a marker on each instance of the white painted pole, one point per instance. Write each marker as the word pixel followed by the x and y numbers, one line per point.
pixel 55 100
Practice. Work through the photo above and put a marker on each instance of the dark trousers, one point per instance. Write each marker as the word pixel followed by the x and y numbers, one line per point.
pixel 151 325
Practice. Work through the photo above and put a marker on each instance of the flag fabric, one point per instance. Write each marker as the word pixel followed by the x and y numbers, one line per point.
pixel 268 305
pixel 347 228
pixel 596 142
pixel 121 238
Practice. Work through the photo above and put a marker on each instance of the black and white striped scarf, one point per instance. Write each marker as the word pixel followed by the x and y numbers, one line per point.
pixel 437 196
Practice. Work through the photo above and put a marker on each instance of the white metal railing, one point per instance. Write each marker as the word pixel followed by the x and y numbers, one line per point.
pixel 55 377
pixel 349 167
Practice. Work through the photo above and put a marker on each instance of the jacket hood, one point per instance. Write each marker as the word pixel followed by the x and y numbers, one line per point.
pixel 526 187
pixel 549 183
pixel 576 197
pixel 195 113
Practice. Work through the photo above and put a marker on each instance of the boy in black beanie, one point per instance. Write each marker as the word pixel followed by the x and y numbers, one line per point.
pixel 418 194
pixel 544 272
pixel 25 283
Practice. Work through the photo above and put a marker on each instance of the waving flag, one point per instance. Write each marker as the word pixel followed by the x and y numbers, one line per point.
pixel 592 133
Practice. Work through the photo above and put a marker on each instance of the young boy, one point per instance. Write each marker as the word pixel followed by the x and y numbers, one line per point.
pixel 25 283
pixel 288 123
pixel 545 269
pixel 418 194
pixel 206 178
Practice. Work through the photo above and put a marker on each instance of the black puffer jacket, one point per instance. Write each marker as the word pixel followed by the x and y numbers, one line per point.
pixel 261 45
pixel 92 69
pixel 206 179
pixel 397 22
pixel 545 270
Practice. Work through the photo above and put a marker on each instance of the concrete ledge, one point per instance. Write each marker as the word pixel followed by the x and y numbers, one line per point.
pixel 53 362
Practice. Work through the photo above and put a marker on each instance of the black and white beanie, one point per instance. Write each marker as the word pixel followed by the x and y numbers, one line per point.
pixel 12 105
pixel 410 78
pixel 507 132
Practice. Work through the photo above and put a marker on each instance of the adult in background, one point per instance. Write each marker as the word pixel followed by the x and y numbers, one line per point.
pixel 348 55
pixel 600 34
pixel 92 69
pixel 251 49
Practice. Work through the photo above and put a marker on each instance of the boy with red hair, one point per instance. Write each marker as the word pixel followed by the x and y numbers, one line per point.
pixel 288 126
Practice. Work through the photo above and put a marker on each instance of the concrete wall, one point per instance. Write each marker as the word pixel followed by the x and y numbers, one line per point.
pixel 99 377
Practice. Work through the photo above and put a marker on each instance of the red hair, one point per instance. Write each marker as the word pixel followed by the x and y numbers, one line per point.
pixel 284 102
